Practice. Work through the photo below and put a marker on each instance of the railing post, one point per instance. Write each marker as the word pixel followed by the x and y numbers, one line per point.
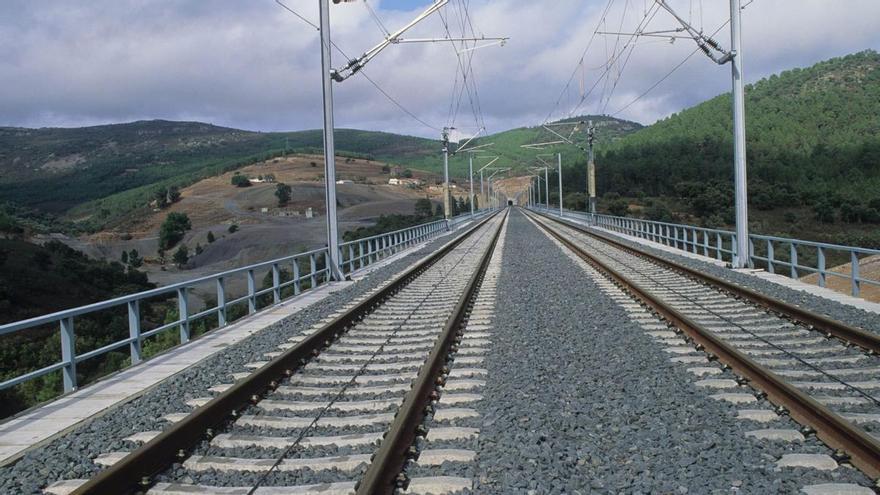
pixel 854 272
pixel 706 243
pixel 297 283
pixel 820 262
pixel 793 258
pixel 183 310
pixel 350 258
pixel 252 292
pixel 360 254
pixel 221 303
pixel 675 230
pixel 719 245
pixel 749 261
pixel 327 262
pixel 770 256
pixel 733 244
pixel 313 265
pixel 276 283
pixel 134 331
pixel 68 354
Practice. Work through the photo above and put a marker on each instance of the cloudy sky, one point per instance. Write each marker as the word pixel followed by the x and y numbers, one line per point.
pixel 253 65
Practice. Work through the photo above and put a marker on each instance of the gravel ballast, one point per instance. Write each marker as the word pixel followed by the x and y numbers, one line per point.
pixel 832 309
pixel 70 456
pixel 579 399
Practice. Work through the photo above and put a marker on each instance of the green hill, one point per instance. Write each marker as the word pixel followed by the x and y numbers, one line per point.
pixel 813 140
pixel 106 172
pixel 56 170
pixel 508 144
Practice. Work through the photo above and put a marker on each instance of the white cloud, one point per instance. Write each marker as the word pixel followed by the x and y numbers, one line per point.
pixel 254 65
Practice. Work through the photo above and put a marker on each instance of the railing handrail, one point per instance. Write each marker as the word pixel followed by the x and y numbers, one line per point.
pixel 803 242
pixel 137 296
pixel 372 237
pixel 370 249
pixel 668 234
pixel 109 303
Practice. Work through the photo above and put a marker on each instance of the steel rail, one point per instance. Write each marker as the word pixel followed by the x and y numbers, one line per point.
pixel 862 449
pixel 135 471
pixel 862 338
pixel 382 473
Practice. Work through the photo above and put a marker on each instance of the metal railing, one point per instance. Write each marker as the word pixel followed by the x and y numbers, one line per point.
pixel 306 271
pixel 791 257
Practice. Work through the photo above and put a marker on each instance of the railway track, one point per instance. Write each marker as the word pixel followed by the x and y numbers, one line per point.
pixel 338 408
pixel 821 372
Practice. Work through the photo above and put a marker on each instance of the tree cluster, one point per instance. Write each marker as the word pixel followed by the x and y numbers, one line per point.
pixel 239 180
pixel 172 230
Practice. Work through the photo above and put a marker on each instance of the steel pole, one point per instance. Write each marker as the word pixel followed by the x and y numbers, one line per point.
pixel 538 191
pixel 489 192
pixel 739 142
pixel 482 194
pixel 471 178
pixel 447 213
pixel 559 169
pixel 547 187
pixel 329 145
pixel 591 179
pixel 591 174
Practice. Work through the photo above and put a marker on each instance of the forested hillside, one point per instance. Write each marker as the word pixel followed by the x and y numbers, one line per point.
pixel 37 280
pixel 508 144
pixel 62 170
pixel 813 140
pixel 89 178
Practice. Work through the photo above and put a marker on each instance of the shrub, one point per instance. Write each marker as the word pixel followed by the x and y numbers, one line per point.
pixel 134 258
pixel 233 228
pixel 239 180
pixel 282 192
pixel 172 229
pixel 424 208
pixel 618 207
pixel 659 213
pixel 181 256
pixel 210 237
pixel 823 211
